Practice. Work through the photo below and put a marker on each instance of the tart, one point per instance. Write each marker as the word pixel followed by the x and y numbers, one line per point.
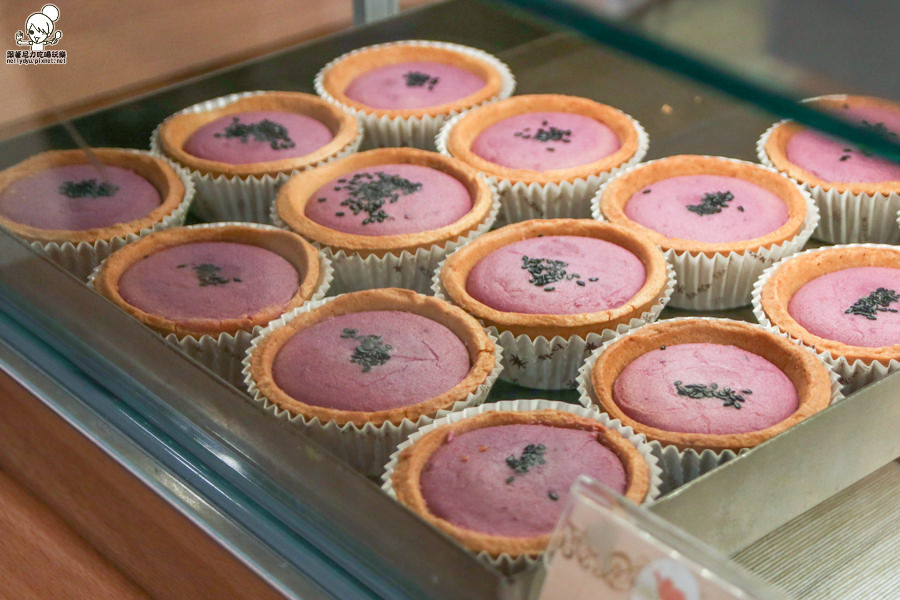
pixel 719 220
pixel 498 481
pixel 240 148
pixel 708 384
pixel 544 138
pixel 386 200
pixel 547 153
pixel 258 134
pixel 387 216
pixel 815 159
pixel 556 277
pixel 842 301
pixel 413 355
pixel 857 192
pixel 705 204
pixel 87 196
pixel 211 280
pixel 405 90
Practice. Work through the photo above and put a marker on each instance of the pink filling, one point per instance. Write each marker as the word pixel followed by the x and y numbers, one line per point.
pixel 821 306
pixel 557 275
pixel 390 200
pixel 545 141
pixel 79 197
pixel 259 136
pixel 317 365
pixel 209 280
pixel 413 85
pixel 646 390
pixel 685 207
pixel 467 480
pixel 834 160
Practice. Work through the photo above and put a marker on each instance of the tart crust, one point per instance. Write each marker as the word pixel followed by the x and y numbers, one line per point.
pixel 808 374
pixel 794 273
pixel 300 253
pixel 619 191
pixel 336 79
pixel 455 274
pixel 175 131
pixel 407 474
pixel 155 170
pixel 463 134
pixel 467 329
pixel 776 147
pixel 300 189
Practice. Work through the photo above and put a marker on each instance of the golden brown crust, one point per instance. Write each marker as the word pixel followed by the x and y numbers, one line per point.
pixel 467 329
pixel 457 267
pixel 808 374
pixel 776 148
pixel 175 131
pixel 300 253
pixel 621 189
pixel 407 474
pixel 463 134
pixel 800 270
pixel 155 170
pixel 339 76
pixel 300 189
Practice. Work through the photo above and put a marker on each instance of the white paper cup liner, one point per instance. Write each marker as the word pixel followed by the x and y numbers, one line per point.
pixel 504 562
pixel 566 199
pixel 415 132
pixel 236 198
pixel 223 354
pixel 366 448
pixel 678 466
pixel 82 257
pixel 407 269
pixel 723 280
pixel 853 375
pixel 553 364
pixel 846 218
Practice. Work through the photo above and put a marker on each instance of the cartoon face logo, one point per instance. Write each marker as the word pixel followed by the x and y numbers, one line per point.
pixel 39 29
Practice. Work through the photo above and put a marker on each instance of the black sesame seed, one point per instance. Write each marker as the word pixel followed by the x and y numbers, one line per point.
pixel 581 283
pixel 740 209
pixel 647 191
pixel 663 347
pixel 553 496
pixel 340 213
pixel 322 199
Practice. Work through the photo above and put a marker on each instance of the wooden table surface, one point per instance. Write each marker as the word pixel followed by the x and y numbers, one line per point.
pixel 119 49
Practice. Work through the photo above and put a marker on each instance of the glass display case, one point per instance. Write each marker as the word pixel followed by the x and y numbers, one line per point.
pixel 193 491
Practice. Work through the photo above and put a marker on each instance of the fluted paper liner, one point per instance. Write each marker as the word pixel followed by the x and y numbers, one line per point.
pixel 845 217
pixel 407 269
pixel 553 364
pixel 723 280
pixel 81 258
pixel 678 466
pixel 420 131
pixel 366 448
pixel 567 199
pixel 224 353
pixel 233 197
pixel 505 562
pixel 855 374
